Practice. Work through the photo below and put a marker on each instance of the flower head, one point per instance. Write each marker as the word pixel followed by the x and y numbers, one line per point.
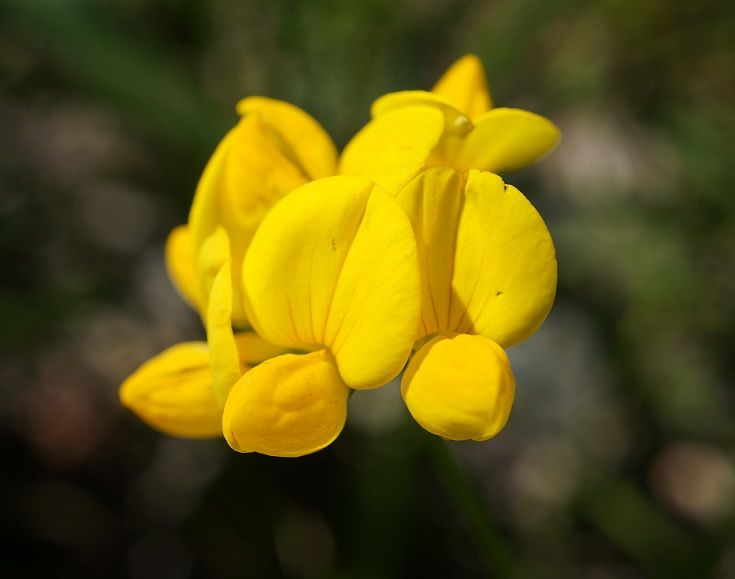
pixel 416 258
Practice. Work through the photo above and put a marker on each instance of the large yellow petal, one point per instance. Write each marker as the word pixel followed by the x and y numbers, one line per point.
pixel 392 148
pixel 173 393
pixel 291 405
pixel 249 172
pixel 460 388
pixel 334 264
pixel 306 140
pixel 224 353
pixel 375 309
pixel 294 261
pixel 464 85
pixel 505 262
pixel 501 281
pixel 180 264
pixel 507 139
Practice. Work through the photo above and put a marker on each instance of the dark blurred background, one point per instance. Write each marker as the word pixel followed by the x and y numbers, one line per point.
pixel 618 459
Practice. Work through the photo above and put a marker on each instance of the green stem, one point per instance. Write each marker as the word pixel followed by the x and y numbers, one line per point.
pixel 493 547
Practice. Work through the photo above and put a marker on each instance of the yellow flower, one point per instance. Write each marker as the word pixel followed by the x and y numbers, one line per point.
pixel 454 125
pixel 274 149
pixel 412 248
pixel 331 270
pixel 488 280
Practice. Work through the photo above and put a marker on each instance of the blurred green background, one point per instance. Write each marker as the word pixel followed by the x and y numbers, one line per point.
pixel 618 459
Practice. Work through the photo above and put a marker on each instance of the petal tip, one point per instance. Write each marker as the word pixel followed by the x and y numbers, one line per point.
pixel 460 388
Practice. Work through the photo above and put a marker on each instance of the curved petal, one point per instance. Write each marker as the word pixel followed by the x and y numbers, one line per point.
pixel 249 172
pixel 213 254
pixel 224 354
pixel 460 388
pixel 311 146
pixel 465 86
pixel 204 215
pixel 433 202
pixel 290 405
pixel 507 139
pixel 455 121
pixel 172 392
pixel 488 261
pixel 254 349
pixel 392 148
pixel 181 265
pixel 334 264
pixel 505 262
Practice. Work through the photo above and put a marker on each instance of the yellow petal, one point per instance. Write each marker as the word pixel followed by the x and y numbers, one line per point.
pixel 213 254
pixel 307 141
pixel 180 264
pixel 465 86
pixel 249 172
pixel 460 388
pixel 173 393
pixel 224 354
pixel 507 139
pixel 433 201
pixel 455 121
pixel 501 281
pixel 375 309
pixel 505 265
pixel 254 349
pixel 334 264
pixel 291 405
pixel 392 148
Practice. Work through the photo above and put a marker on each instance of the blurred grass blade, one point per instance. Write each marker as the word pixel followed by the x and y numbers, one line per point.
pixel 493 548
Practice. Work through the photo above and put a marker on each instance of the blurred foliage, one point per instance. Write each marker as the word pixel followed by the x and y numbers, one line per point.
pixel 618 460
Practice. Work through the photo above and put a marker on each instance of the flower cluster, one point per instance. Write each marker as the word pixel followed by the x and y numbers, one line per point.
pixel 317 274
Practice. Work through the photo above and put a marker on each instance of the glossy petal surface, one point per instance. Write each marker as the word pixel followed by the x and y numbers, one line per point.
pixel 172 392
pixel 507 139
pixel 291 405
pixel 460 388
pixel 392 148
pixel 488 264
pixel 334 264
pixel 464 85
